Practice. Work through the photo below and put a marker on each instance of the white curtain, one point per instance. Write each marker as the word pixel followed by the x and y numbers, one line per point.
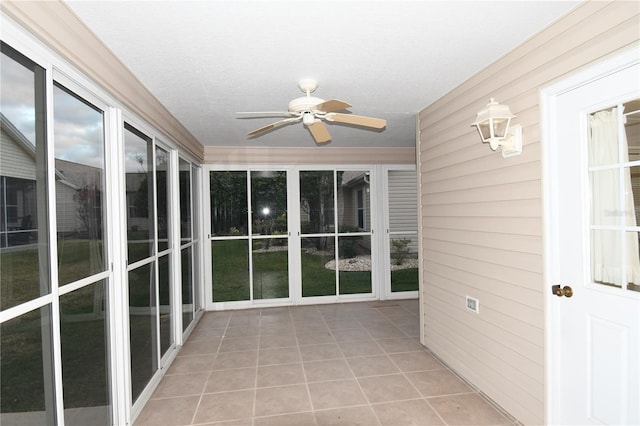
pixel 607 138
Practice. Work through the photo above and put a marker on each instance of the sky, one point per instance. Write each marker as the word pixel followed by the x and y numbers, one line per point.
pixel 78 127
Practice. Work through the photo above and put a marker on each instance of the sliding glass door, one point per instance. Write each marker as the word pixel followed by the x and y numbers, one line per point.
pixel 402 233
pixel 335 232
pixel 249 235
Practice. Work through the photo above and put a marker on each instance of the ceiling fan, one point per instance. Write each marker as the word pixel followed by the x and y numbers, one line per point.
pixel 312 111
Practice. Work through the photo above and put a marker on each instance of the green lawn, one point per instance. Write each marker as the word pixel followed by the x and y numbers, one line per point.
pixel 231 274
pixel 404 280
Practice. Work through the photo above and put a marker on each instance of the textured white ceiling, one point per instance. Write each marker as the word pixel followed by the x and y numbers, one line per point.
pixel 206 60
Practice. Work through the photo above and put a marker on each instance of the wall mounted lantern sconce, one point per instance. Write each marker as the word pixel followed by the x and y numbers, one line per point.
pixel 493 125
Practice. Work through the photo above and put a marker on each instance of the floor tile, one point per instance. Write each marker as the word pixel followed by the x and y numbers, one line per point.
pixel 276 328
pixel 403 344
pixel 223 406
pixel 351 416
pixel 239 344
pixel 229 380
pixel 393 387
pixel 415 412
pixel 225 361
pixel 201 333
pixel 278 375
pixel 468 409
pixel 191 364
pixel 201 347
pixel 270 341
pixel 372 365
pixel 214 320
pixel 241 331
pixel 336 394
pixel 297 419
pixel 239 422
pixel 338 364
pixel 282 400
pixel 342 323
pixel 332 369
pixel 350 335
pixel 169 411
pixel 309 338
pixel 180 385
pixel 416 361
pixel 363 348
pixel 278 356
pixel 437 382
pixel 320 352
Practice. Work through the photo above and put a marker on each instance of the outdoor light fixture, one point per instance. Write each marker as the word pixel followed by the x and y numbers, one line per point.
pixel 493 125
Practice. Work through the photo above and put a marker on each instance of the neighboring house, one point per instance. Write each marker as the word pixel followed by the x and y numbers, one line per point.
pixel 354 200
pixel 19 215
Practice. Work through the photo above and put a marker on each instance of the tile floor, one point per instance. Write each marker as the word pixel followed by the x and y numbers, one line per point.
pixel 341 364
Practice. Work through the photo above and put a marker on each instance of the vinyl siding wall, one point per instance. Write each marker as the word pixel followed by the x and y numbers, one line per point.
pixel 481 214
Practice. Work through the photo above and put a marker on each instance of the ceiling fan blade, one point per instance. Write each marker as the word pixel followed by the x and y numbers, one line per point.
pixel 358 120
pixel 273 126
pixel 319 132
pixel 332 105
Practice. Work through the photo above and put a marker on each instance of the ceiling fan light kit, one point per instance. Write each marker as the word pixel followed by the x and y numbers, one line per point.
pixel 312 111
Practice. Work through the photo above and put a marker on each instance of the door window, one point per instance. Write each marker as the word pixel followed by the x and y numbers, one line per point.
pixel 614 148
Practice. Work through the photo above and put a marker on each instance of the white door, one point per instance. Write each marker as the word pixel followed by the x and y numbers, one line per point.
pixel 591 245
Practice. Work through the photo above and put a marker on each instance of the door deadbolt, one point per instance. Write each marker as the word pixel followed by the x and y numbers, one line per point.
pixel 559 291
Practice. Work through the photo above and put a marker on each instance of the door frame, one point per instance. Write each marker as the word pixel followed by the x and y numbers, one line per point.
pixel 384 235
pixel 295 291
pixel 549 162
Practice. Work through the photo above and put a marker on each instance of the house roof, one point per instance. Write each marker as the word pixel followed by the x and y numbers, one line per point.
pixel 207 60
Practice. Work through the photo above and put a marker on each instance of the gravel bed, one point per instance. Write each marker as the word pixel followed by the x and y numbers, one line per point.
pixel 363 263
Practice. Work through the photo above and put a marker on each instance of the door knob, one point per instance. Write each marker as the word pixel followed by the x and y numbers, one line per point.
pixel 562 291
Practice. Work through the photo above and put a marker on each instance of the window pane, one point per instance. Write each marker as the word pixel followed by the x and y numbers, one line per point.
pixel 269 203
pixel 633 261
pixel 403 201
pixel 318 279
pixel 162 186
pixel 79 150
pixel 185 201
pixel 230 263
pixel 605 246
pixel 404 262
pixel 187 288
pixel 164 292
pixel 24 244
pixel 634 174
pixel 354 210
pixel 270 268
pixel 354 256
pixel 139 182
pixel 316 202
pixel 603 146
pixel 142 327
pixel 605 200
pixel 85 370
pixel 228 203
pixel 26 372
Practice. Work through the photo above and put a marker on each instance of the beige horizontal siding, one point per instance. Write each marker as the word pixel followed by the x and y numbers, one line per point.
pixel 482 214
pixel 311 155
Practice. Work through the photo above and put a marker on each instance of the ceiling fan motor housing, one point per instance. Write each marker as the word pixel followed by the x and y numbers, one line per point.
pixel 304 104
